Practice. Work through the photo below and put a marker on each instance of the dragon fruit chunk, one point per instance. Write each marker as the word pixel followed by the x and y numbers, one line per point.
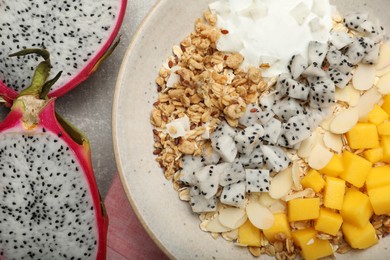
pixel 275 158
pixel 190 165
pixel 292 88
pixel 247 139
pixel 296 130
pixel 250 115
pixel 208 180
pixel 200 204
pixel 223 129
pixel 372 55
pixel 338 60
pixel 322 93
pixel 354 20
pixel 257 180
pixel 254 161
pixel 231 173
pixel 209 155
pixel 317 115
pixel 314 71
pixel 287 108
pixel 265 116
pixel 281 88
pixel 317 52
pixel 297 65
pixel 234 194
pixel 48 193
pixel 340 39
pixel 272 131
pixel 267 101
pixel 358 49
pixel 340 79
pixel 226 148
pixel 79 34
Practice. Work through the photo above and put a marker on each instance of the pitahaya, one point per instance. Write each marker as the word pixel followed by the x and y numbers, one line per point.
pixel 272 131
pixel 78 34
pixel 296 130
pixel 208 180
pixel 372 55
pixel 340 39
pixel 275 158
pixel 250 116
pixel 190 165
pixel 257 180
pixel 267 101
pixel 200 204
pixel 338 60
pixel 287 108
pixel 314 71
pixel 230 173
pixel 339 79
pixel 287 86
pixel 354 20
pixel 265 116
pixel 51 208
pixel 223 143
pixel 317 52
pixel 247 139
pixel 281 88
pixel 297 65
pixel 209 155
pixel 253 161
pixel 358 49
pixel 234 194
pixel 322 93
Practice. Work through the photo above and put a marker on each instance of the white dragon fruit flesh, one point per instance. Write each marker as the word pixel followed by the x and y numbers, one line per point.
pixel 257 180
pixel 253 161
pixel 200 204
pixel 51 207
pixel 354 20
pixel 358 49
pixel 234 194
pixel 226 147
pixel 209 155
pixel 340 39
pixel 250 116
pixel 265 116
pixel 76 33
pixel 340 79
pixel 317 52
pixel 297 65
pixel 272 131
pixel 287 108
pixel 338 60
pixel 207 180
pixel 190 165
pixel 248 138
pixel 275 158
pixel 322 93
pixel 231 172
pixel 296 130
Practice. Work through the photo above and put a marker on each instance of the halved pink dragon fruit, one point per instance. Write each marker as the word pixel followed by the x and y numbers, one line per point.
pixel 77 33
pixel 51 208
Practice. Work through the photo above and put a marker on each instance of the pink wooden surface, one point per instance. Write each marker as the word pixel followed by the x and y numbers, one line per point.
pixel 127 239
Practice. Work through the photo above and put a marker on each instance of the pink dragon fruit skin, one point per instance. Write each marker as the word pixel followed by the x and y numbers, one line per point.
pixel 77 203
pixel 89 67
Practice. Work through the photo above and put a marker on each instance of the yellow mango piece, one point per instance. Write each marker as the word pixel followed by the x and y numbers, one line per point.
pixel 314 180
pixel 302 237
pixel 380 199
pixel 363 136
pixel 385 144
pixel 280 225
pixel 374 155
pixel 359 237
pixel 357 208
pixel 356 169
pixel 249 235
pixel 378 177
pixel 328 222
pixel 303 209
pixel 386 104
pixel 317 249
pixel 384 128
pixel 377 115
pixel 334 167
pixel 334 192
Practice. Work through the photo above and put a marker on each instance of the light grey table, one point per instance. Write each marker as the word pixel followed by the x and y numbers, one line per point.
pixel 89 105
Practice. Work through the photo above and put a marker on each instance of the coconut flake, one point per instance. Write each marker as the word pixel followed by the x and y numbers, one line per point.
pixel 281 184
pixel 319 157
pixel 364 77
pixel 173 78
pixel 344 121
pixel 300 12
pixel 178 127
pixel 232 217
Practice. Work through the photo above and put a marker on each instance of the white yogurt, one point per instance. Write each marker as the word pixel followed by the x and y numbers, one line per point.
pixel 271 31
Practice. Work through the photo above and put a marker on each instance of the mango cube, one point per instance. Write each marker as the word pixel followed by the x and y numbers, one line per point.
pixel 356 169
pixel 374 155
pixel 334 193
pixel 363 136
pixel 384 128
pixel 303 209
pixel 328 222
pixel 380 199
pixel 280 225
pixel 377 115
pixel 359 237
pixel 317 249
pixel 249 235
pixel 334 167
pixel 378 177
pixel 357 208
pixel 313 180
pixel 302 237
pixel 385 144
pixel 386 104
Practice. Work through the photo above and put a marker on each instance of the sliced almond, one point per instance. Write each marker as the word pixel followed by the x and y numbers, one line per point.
pixel 380 73
pixel 384 56
pixel 215 226
pixel 260 216
pixel 306 193
pixel 333 142
pixel 383 84
pixel 232 217
pixel 281 184
pixel 344 121
pixel 348 94
pixel 278 207
pixel 266 200
pixel 326 123
pixel 364 77
pixel 296 174
pixel 308 144
pixel 367 102
pixel 319 157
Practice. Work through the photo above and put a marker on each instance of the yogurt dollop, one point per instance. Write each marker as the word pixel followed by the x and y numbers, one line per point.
pixel 271 31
